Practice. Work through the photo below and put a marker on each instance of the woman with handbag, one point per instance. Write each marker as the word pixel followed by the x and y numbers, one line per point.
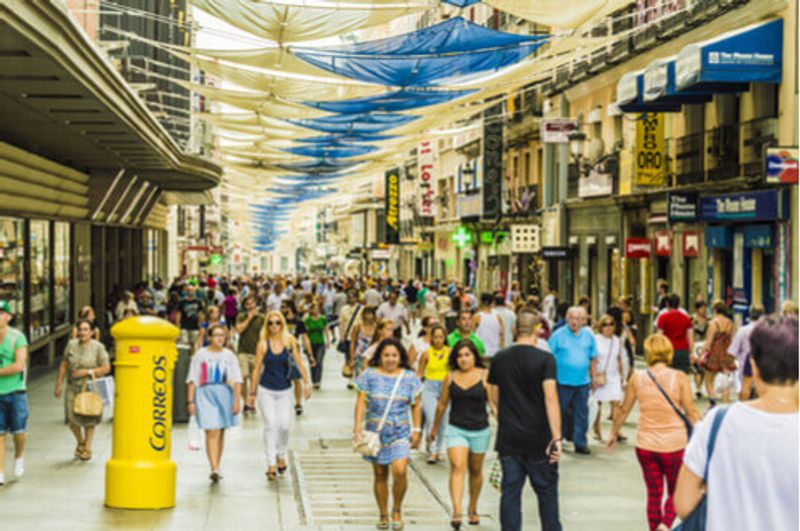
pixel 277 358
pixel 297 329
pixel 388 397
pixel 84 360
pixel 666 415
pixel 360 340
pixel 608 377
pixel 214 391
pixel 744 457
pixel 715 358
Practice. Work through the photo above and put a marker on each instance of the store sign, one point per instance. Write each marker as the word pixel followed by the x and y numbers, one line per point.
pixel 596 184
pixel 469 205
pixel 650 160
pixel 781 165
pixel 556 253
pixel 663 239
pixel 638 248
pixel 691 244
pixel 461 237
pixel 492 161
pixel 392 206
pixel 745 206
pixel 557 130
pixel 682 207
pixel 427 179
pixel 381 254
pixel 525 238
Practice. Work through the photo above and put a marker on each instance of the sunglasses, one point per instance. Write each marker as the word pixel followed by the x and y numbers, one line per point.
pixel 607 324
pixel 276 323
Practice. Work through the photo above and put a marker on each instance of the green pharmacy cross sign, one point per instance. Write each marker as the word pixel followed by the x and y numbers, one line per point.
pixel 216 259
pixel 462 237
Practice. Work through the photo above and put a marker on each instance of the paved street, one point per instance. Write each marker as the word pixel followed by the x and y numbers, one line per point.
pixel 327 487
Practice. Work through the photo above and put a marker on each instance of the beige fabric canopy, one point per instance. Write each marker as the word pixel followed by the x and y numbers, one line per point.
pixel 556 13
pixel 291 21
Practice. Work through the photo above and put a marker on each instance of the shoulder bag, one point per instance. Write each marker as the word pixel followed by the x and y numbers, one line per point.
pixel 369 444
pixel 680 413
pixel 600 377
pixel 88 403
pixel 696 521
pixel 344 344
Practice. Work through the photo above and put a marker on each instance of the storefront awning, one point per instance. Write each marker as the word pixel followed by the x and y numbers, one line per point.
pixel 630 96
pixel 749 55
pixel 659 85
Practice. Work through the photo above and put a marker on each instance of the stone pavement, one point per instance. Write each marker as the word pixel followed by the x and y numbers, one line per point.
pixel 327 486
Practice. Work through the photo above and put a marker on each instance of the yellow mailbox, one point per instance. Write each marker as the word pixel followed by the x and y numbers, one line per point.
pixel 140 474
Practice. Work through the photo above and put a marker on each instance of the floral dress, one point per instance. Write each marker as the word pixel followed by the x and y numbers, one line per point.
pixel 359 361
pixel 396 432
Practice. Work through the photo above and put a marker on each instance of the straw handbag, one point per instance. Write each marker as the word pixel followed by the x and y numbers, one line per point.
pixel 88 403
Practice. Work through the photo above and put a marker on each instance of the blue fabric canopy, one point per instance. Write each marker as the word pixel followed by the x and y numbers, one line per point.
pixel 461 3
pixel 400 100
pixel 317 166
pixel 630 96
pixel 659 85
pixel 453 48
pixel 333 139
pixel 749 55
pixel 347 124
pixel 331 151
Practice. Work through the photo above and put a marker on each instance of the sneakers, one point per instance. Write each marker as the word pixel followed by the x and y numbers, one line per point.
pixel 19 467
pixel 582 450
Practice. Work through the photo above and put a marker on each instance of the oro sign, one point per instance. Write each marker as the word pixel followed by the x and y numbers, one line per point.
pixel 650 160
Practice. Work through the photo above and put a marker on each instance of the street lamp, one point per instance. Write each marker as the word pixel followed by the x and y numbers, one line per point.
pixel 576 141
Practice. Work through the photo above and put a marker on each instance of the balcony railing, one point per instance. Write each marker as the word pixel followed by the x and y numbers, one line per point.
pixel 756 136
pixel 688 159
pixel 722 148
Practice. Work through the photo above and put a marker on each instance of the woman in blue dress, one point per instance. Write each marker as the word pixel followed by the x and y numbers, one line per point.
pixel 215 393
pixel 400 432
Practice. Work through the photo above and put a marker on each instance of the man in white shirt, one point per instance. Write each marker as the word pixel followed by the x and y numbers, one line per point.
pixel 275 299
pixel 488 326
pixel 508 317
pixel 396 312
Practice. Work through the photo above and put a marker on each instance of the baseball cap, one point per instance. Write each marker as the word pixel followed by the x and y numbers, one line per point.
pixel 4 307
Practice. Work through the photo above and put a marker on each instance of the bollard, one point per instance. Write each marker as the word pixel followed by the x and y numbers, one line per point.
pixel 140 474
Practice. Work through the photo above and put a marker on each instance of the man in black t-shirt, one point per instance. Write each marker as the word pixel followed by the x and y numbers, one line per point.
pixel 523 380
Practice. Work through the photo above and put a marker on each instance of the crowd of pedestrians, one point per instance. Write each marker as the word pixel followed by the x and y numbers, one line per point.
pixel 531 373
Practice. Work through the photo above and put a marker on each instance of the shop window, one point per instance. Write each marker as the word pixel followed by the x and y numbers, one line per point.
pixel 12 253
pixel 40 279
pixel 61 274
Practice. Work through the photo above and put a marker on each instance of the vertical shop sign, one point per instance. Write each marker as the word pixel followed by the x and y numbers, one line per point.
pixel 650 160
pixel 691 244
pixel 425 161
pixel 392 206
pixel 492 161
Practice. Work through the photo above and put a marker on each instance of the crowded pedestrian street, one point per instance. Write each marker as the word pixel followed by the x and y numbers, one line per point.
pixel 327 486
pixel 507 265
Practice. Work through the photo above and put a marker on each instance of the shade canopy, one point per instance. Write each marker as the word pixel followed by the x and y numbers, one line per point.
pixel 365 123
pixel 396 101
pixel 630 96
pixel 659 85
pixel 426 57
pixel 749 55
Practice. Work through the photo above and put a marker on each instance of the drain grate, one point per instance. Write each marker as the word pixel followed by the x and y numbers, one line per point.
pixel 334 487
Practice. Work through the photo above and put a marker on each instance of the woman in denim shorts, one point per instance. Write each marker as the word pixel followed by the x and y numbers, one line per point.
pixel 467 435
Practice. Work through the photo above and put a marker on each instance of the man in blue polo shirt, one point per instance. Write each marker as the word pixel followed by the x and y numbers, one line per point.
pixel 574 349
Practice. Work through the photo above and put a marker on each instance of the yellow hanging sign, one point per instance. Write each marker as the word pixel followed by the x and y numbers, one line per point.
pixel 650 163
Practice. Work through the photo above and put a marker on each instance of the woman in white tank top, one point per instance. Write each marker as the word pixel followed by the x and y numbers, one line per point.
pixel 489 326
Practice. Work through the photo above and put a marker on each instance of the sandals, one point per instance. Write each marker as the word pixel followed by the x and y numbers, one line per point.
pixel 298 410
pixel 474 519
pixel 455 522
pixel 78 451
pixel 397 525
pixel 272 475
pixel 85 455
pixel 383 523
pixel 214 477
pixel 281 466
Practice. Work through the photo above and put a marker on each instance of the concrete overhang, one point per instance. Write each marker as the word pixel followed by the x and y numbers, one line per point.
pixel 60 99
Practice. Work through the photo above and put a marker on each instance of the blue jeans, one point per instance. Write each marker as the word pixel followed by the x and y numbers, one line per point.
pixel 574 401
pixel 431 391
pixel 543 478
